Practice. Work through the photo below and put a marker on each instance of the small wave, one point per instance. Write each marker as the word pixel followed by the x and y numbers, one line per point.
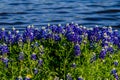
pixel 99 19
pixel 9 13
pixel 58 8
pixel 14 4
pixel 109 11
pixel 14 23
pixel 52 21
pixel 62 12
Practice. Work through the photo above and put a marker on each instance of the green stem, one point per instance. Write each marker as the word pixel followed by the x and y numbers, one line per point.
pixel 65 69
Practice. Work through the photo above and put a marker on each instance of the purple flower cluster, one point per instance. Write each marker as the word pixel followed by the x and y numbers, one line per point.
pixel 72 32
pixel 4 49
pixel 77 50
pixel 106 37
pixel 116 63
pixel 69 77
pixel 5 61
pixel 114 72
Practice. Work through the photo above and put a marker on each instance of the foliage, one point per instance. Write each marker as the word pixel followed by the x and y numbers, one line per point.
pixel 69 52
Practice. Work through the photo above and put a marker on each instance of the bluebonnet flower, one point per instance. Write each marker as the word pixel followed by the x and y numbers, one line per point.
pixel 33 56
pixel 110 31
pixel 67 29
pixel 59 29
pixel 19 78
pixel 116 62
pixel 72 37
pixel 74 65
pixel 69 76
pixel 116 40
pixel 35 70
pixel 21 56
pixel 5 61
pixel 77 50
pixel 105 43
pixel 2 34
pixel 93 34
pixel 93 58
pixel 4 49
pixel 36 33
pixel 43 33
pixel 80 78
pixel 110 49
pixel 28 77
pixel 102 54
pixel 53 28
pixel 57 37
pixel 84 41
pixel 115 33
pixel 79 39
pixel 13 30
pixel 105 36
pixel 78 30
pixel 20 42
pixel 41 49
pixel 10 38
pixel 28 34
pixel 40 62
pixel 113 71
pixel 36 44
pixel 18 36
pixel 116 76
pixel 49 34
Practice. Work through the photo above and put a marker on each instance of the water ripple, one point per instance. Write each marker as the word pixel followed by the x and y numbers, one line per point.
pixel 20 13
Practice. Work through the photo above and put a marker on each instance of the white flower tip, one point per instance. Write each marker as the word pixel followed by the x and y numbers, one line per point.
pixel 96 26
pixel 48 24
pixel 31 33
pixel 29 26
pixel 3 29
pixel 111 45
pixel 20 40
pixel 81 26
pixel 13 28
pixel 114 69
pixel 90 28
pixel 36 28
pixel 32 26
pixel 74 63
pixel 43 27
pixel 116 30
pixel 59 25
pixel 17 31
pixel 104 27
pixel 76 24
pixel 110 27
pixel 9 32
pixel 84 27
pixel 34 53
pixel 67 24
pixel 103 49
pixel 72 32
pixel 68 74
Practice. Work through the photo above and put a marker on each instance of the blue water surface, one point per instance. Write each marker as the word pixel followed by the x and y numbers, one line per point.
pixel 21 13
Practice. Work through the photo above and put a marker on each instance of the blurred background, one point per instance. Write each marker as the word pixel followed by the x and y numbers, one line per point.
pixel 21 13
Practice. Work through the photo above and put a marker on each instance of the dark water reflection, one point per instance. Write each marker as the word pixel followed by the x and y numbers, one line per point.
pixel 21 13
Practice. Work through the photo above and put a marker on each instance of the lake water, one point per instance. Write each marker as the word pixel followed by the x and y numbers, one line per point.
pixel 21 13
